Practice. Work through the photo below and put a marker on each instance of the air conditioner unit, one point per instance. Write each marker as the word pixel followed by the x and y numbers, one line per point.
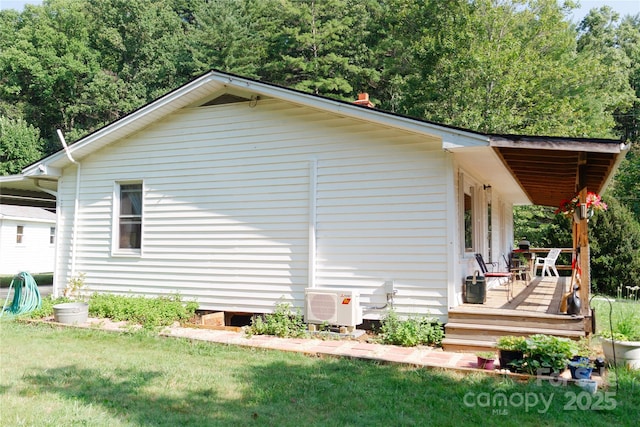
pixel 333 306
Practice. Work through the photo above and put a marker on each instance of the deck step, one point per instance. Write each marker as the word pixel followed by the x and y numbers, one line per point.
pixel 518 319
pixel 476 337
pixel 492 332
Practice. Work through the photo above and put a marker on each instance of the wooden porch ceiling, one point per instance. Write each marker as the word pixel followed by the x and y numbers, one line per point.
pixel 547 169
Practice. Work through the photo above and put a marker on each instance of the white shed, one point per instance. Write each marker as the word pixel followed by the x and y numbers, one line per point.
pixel 240 194
pixel 27 239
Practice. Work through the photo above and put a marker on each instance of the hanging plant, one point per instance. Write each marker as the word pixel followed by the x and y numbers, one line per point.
pixel 571 207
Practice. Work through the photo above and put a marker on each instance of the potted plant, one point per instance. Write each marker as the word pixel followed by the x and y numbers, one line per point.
pixel 581 368
pixel 546 354
pixel 624 343
pixel 486 360
pixel 511 349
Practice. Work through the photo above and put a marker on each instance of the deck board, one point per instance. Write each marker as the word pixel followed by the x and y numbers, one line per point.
pixel 541 295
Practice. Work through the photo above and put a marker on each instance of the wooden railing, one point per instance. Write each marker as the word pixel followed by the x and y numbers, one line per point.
pixel 533 253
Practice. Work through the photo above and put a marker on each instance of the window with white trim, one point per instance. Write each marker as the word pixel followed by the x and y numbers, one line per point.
pixel 129 216
pixel 20 234
pixel 52 235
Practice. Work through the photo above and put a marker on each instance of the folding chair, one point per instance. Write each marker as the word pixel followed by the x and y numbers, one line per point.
pixel 496 275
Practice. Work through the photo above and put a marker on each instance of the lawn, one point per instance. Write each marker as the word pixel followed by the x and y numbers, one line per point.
pixel 612 312
pixel 53 376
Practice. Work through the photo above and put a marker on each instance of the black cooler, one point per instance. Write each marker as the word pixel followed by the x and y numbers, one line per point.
pixel 475 289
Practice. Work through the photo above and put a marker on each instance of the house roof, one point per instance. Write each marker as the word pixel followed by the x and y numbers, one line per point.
pixel 26 213
pixel 539 170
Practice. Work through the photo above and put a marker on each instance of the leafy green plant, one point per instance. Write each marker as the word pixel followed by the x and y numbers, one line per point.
pixel 511 343
pixel 410 332
pixel 547 353
pixel 283 322
pixel 148 312
pixel 46 309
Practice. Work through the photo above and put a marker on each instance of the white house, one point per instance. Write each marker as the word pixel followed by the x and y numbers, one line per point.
pixel 240 194
pixel 27 239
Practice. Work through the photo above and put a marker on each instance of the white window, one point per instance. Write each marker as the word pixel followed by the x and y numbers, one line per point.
pixel 128 217
pixel 52 235
pixel 19 234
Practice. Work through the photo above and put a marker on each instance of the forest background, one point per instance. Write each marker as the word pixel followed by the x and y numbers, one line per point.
pixel 492 66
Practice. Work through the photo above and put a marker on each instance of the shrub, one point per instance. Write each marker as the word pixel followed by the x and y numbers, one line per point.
pixel 46 309
pixel 148 312
pixel 411 332
pixel 283 322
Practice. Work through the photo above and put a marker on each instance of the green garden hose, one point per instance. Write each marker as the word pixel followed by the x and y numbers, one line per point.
pixel 26 296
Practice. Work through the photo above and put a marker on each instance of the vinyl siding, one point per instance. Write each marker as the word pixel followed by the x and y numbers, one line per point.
pixel 34 255
pixel 227 207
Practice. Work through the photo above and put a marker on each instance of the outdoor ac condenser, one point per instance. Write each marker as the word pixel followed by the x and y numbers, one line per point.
pixel 333 306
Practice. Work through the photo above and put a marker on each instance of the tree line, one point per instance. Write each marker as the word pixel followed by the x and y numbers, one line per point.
pixel 494 66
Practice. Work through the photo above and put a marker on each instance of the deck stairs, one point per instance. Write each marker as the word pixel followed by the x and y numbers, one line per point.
pixel 477 329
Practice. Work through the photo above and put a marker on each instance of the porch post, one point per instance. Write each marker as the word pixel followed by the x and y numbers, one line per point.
pixel 584 261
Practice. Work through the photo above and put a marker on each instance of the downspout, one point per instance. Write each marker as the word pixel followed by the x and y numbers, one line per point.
pixel 313 194
pixel 74 233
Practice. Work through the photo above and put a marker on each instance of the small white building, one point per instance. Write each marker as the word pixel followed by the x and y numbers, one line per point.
pixel 27 239
pixel 240 194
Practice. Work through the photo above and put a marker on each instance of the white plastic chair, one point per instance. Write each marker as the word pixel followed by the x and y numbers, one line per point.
pixel 548 262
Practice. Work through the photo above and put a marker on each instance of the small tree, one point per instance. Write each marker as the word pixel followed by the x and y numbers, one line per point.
pixel 20 145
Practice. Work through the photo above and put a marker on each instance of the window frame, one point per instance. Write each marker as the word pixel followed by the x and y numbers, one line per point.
pixel 468 188
pixel 19 234
pixel 117 216
pixel 52 235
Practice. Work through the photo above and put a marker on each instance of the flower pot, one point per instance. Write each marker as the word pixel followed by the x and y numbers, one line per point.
pixel 71 312
pixel 488 364
pixel 508 356
pixel 626 352
pixel 579 368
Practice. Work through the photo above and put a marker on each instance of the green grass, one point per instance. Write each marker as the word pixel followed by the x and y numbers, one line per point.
pixel 52 376
pixel 619 309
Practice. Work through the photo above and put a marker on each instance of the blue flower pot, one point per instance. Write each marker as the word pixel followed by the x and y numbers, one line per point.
pixel 580 372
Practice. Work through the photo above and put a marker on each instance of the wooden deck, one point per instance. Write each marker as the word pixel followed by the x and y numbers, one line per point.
pixel 532 308
pixel 541 295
